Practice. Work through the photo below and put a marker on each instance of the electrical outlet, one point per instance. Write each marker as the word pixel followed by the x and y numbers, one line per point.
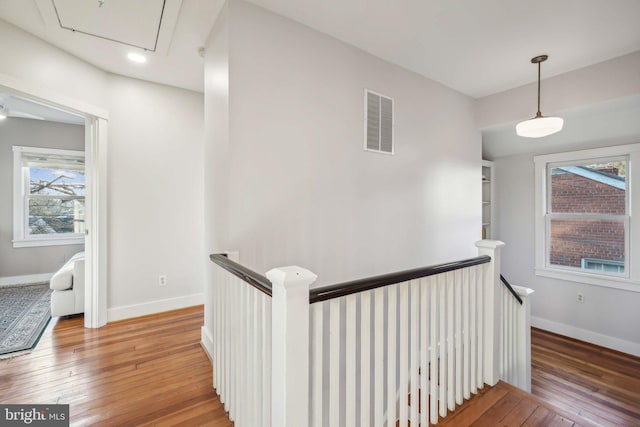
pixel 162 280
pixel 580 297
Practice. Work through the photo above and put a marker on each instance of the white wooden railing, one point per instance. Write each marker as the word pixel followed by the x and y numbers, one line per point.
pixel 515 335
pixel 241 338
pixel 409 350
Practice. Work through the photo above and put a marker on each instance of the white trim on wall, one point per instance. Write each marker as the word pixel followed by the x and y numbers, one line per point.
pixel 206 340
pixel 37 93
pixel 618 344
pixel 28 278
pixel 153 307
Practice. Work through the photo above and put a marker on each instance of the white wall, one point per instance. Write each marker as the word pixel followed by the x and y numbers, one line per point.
pixel 155 173
pixel 155 192
pixel 600 105
pixel 32 133
pixel 301 188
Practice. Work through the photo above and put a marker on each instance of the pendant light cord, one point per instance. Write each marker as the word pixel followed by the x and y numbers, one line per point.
pixel 538 114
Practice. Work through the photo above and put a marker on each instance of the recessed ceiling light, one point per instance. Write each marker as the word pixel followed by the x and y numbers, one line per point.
pixel 137 57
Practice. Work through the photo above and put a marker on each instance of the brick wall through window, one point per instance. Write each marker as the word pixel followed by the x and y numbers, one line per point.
pixel 575 239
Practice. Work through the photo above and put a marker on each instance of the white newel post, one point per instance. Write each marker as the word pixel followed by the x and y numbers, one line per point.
pixel 290 346
pixel 524 339
pixel 492 310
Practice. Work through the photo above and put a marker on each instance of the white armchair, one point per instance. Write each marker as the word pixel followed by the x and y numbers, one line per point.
pixel 68 287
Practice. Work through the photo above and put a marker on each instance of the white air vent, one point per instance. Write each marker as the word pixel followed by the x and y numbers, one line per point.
pixel 378 122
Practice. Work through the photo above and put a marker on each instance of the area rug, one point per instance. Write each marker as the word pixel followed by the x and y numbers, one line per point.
pixel 25 311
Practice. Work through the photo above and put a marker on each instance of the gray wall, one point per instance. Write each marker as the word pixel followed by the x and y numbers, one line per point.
pixel 32 133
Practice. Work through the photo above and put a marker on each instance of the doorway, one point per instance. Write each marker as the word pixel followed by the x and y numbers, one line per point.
pixel 96 122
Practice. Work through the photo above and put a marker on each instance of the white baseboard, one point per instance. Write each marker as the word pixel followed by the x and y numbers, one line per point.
pixel 207 342
pixel 21 280
pixel 152 307
pixel 618 344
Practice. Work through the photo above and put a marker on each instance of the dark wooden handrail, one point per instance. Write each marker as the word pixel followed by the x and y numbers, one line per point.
pixel 256 280
pixel 335 291
pixel 510 288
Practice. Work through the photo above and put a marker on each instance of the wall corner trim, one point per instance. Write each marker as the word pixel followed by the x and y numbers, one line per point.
pixel 206 340
pixel 153 307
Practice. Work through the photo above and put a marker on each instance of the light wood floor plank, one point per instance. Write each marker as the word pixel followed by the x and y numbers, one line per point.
pixel 145 371
pixel 594 382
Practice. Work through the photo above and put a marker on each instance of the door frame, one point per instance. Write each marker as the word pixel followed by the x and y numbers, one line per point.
pixel 96 126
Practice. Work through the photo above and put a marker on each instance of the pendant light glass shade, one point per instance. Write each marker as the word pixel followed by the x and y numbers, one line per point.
pixel 540 125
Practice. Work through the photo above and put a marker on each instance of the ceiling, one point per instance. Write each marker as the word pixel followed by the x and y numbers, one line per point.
pixel 475 47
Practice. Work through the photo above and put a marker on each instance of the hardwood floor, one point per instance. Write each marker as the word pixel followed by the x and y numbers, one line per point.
pixel 573 383
pixel 505 405
pixel 144 371
pixel 152 371
pixel 599 384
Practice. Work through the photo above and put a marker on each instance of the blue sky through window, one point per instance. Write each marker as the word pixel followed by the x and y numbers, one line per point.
pixel 63 181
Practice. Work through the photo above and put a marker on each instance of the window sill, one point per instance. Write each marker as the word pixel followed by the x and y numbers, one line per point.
pixel 32 243
pixel 621 283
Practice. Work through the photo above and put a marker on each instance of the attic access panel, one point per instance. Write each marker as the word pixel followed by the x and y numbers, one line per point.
pixel 132 23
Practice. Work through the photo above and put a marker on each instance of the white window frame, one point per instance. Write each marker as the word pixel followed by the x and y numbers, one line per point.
pixel 630 279
pixel 20 214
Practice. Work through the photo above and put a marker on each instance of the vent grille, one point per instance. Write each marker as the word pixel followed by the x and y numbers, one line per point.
pixel 378 123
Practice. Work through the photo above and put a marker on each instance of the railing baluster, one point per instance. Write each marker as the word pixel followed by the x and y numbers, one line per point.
pixel 457 290
pixel 251 353
pixel 378 359
pixel 403 389
pixel 414 369
pixel 479 273
pixel 266 359
pixel 433 345
pixel 473 330
pixel 424 351
pixel 334 362
pixel 232 337
pixel 240 361
pixel 317 365
pixel 392 347
pixel 365 358
pixel 514 333
pixel 350 364
pixel 466 337
pixel 451 405
pixel 442 344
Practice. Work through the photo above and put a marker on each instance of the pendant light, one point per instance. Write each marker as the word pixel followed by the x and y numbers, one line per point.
pixel 540 125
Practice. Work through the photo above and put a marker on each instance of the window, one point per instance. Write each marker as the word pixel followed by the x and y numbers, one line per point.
pixel 49 197
pixel 602 265
pixel 583 222
pixel 587 212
